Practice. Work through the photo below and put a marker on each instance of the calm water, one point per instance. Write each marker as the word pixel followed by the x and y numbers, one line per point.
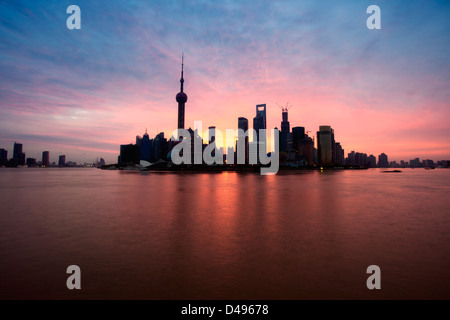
pixel 224 236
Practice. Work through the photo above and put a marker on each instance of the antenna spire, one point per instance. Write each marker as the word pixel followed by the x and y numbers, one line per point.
pixel 182 68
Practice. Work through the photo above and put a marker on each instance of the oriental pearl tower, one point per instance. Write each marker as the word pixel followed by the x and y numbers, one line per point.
pixel 181 98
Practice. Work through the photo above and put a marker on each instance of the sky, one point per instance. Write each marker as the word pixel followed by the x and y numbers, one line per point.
pixel 84 92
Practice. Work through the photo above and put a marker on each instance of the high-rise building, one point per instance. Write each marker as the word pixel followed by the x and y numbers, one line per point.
pixel 261 110
pixel 159 147
pixel 285 131
pixel 243 125
pixel 46 158
pixel 340 157
pixel 62 161
pixel 371 161
pixel 325 145
pixel 17 150
pixel 212 134
pixel 18 155
pixel 3 157
pixel 145 147
pixel 383 161
pixel 31 162
pixel 305 150
pixel 259 123
pixel 129 154
pixel 298 134
pixel 212 139
pixel 181 98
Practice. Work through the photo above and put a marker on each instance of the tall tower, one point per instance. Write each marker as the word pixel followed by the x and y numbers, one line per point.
pixel 46 159
pixel 259 122
pixel 285 130
pixel 181 98
pixel 326 145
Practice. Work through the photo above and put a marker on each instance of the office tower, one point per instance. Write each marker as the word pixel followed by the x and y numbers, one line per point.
pixel 259 122
pixel 285 130
pixel 17 150
pixel 31 162
pixel 159 147
pixel 325 145
pixel 62 161
pixel 46 159
pixel 212 139
pixel 181 98
pixel 340 158
pixel 371 161
pixel 383 161
pixel 18 155
pixel 298 134
pixel 3 157
pixel 212 134
pixel 139 140
pixel 129 154
pixel 242 139
pixel 305 150
pixel 414 163
pixel 145 147
pixel 261 110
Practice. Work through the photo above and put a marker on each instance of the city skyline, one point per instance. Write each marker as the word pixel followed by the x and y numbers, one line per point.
pixel 82 93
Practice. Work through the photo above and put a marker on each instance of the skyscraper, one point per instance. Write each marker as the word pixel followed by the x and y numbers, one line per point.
pixel 212 134
pixel 18 155
pixel 261 110
pixel 325 145
pixel 242 139
pixel 3 157
pixel 46 158
pixel 62 161
pixel 259 122
pixel 285 131
pixel 212 139
pixel 181 98
pixel 298 134
pixel 383 161
pixel 145 147
pixel 17 150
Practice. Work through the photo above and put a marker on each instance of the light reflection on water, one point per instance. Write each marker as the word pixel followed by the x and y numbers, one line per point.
pixel 224 236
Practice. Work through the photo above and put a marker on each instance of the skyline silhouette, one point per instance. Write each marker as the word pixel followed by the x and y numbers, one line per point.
pixel 81 92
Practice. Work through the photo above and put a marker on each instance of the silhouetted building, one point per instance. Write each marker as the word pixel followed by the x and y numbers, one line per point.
pixel 31 162
pixel 428 163
pixel 340 158
pixel 371 161
pixel 181 99
pixel 415 163
pixel 146 147
pixel 46 159
pixel 325 145
pixel 160 148
pixel 62 161
pixel 298 134
pixel 139 140
pixel 18 155
pixel 17 150
pixel 383 161
pixel 243 125
pixel 212 139
pixel 285 131
pixel 305 150
pixel 3 157
pixel 259 123
pixel 129 154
